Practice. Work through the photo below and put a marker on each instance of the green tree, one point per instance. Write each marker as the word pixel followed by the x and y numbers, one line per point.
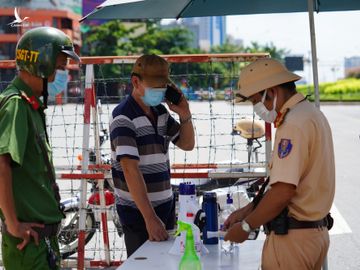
pixel 158 40
pixel 229 71
pixel 111 38
pixel 176 40
pixel 275 53
pixel 114 38
pixel 227 48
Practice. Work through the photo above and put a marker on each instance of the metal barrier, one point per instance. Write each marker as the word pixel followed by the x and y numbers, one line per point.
pixel 204 166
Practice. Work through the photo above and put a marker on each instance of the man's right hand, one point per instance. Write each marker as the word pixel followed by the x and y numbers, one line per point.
pixel 156 229
pixel 236 216
pixel 25 231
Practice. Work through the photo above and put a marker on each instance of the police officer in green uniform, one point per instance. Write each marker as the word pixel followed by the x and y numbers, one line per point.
pixel 29 198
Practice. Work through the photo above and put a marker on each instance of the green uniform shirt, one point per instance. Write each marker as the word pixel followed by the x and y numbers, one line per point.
pixel 33 195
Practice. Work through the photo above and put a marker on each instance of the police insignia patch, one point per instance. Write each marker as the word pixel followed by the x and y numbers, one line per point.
pixel 284 148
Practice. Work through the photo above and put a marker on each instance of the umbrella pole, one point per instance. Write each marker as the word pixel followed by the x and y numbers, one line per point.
pixel 313 52
pixel 315 72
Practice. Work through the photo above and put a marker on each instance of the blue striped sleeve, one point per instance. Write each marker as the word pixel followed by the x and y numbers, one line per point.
pixel 123 138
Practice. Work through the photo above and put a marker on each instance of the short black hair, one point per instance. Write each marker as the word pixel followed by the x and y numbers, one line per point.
pixel 289 86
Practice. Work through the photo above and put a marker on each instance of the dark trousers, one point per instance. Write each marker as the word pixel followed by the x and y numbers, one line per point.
pixel 31 257
pixel 134 227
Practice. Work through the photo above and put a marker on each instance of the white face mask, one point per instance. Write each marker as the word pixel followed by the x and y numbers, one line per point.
pixel 263 112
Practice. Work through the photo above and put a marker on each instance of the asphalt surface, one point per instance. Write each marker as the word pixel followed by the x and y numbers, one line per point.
pixel 345 123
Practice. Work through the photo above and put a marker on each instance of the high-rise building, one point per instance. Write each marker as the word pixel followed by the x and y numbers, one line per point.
pixel 352 65
pixel 207 31
pixel 351 62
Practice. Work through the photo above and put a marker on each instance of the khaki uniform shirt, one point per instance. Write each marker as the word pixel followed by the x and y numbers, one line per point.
pixel 33 196
pixel 304 156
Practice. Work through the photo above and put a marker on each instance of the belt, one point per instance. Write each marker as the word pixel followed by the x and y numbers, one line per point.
pixel 299 224
pixel 49 230
pixel 293 223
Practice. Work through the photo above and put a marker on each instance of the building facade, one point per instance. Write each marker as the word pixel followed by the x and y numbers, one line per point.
pixel 207 31
pixel 352 66
pixel 61 14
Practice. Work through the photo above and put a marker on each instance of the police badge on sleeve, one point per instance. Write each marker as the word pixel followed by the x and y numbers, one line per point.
pixel 284 148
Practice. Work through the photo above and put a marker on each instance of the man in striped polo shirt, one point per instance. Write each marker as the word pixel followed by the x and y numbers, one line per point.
pixel 141 130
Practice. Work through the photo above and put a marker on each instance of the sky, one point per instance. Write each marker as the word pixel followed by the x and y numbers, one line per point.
pixel 337 36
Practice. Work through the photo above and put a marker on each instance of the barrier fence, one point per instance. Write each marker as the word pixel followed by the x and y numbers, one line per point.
pixel 78 121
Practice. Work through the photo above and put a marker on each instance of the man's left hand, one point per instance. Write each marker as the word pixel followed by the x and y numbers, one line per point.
pixel 236 234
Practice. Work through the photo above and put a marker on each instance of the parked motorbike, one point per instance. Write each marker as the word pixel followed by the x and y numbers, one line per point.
pixel 69 231
pixel 68 235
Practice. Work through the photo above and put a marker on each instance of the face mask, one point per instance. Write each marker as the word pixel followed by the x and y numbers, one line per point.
pixel 59 84
pixel 263 112
pixel 153 96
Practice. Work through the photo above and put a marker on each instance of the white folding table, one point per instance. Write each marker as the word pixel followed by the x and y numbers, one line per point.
pixel 155 256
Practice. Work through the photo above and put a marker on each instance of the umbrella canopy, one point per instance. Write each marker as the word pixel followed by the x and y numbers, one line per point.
pixel 159 9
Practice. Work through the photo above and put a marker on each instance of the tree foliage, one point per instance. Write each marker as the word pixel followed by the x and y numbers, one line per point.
pixel 111 38
pixel 270 48
pixel 157 40
pixel 115 38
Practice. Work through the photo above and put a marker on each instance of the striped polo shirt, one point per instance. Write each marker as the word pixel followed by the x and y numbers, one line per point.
pixel 133 135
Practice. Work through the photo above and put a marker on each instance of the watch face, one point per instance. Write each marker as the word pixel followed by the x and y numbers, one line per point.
pixel 245 226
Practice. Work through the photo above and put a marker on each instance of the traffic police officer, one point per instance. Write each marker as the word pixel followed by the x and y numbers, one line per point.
pixel 302 172
pixel 29 198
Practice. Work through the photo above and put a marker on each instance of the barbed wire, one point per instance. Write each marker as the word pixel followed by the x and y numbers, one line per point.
pixel 213 125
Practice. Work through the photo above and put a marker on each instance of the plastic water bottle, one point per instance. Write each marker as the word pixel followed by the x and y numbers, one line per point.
pixel 227 246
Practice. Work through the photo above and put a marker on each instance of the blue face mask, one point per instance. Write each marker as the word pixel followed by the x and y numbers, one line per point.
pixel 59 84
pixel 153 96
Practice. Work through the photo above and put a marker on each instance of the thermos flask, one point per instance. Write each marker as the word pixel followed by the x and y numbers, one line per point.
pixel 210 208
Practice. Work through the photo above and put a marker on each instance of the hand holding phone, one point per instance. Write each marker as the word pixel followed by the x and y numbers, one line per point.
pixel 173 95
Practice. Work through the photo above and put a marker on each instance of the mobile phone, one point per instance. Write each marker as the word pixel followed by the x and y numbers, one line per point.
pixel 172 95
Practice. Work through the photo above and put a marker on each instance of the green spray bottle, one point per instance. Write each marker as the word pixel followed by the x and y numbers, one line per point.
pixel 190 260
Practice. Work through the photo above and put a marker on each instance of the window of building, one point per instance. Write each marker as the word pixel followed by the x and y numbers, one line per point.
pixel 5 28
pixel 66 23
pixel 55 22
pixel 7 51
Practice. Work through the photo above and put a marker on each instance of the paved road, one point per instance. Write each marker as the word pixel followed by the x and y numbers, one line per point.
pixel 345 122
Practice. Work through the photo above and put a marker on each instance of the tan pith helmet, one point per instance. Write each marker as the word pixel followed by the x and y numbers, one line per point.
pixel 260 75
pixel 249 128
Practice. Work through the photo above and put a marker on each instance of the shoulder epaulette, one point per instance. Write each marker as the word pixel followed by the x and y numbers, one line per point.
pixel 31 100
pixel 280 118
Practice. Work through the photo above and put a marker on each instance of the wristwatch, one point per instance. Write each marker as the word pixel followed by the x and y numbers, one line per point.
pixel 245 226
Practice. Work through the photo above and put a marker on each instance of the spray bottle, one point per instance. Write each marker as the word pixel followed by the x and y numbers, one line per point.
pixel 190 260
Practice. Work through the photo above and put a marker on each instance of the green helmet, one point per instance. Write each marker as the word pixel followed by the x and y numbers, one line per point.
pixel 38 48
